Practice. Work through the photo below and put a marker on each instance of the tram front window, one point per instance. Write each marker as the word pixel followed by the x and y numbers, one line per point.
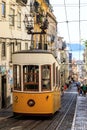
pixel 31 77
pixel 46 77
pixel 17 77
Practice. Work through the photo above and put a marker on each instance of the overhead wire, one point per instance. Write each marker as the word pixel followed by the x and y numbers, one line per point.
pixel 79 31
pixel 83 20
pixel 54 5
pixel 67 24
pixel 79 21
pixel 69 5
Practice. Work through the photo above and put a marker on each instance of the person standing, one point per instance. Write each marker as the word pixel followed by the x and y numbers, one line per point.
pixel 79 89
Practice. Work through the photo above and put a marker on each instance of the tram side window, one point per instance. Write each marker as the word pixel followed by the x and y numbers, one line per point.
pixel 17 77
pixel 57 77
pixel 46 77
pixel 31 77
pixel 54 74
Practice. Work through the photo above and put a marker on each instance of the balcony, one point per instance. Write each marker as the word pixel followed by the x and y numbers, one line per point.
pixel 22 2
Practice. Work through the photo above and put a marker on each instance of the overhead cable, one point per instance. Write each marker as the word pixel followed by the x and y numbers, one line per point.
pixel 67 24
pixel 79 31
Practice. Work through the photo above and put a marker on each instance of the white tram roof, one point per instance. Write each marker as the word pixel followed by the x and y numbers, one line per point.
pixel 34 57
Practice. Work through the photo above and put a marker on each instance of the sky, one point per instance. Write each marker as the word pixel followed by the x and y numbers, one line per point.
pixel 72 31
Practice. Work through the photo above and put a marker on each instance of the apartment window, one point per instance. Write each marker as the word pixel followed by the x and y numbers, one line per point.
pixel 12 15
pixel 11 50
pixel 26 46
pixel 3 49
pixel 3 8
pixel 18 46
pixel 19 20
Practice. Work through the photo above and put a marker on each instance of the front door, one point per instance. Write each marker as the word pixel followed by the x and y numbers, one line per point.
pixel 3 90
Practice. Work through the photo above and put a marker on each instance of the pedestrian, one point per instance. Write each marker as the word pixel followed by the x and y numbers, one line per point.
pixel 62 90
pixel 84 89
pixel 79 89
pixel 65 86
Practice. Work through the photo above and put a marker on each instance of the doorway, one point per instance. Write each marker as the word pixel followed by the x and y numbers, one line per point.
pixel 3 90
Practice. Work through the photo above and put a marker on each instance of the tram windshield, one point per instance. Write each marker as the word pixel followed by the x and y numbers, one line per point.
pixel 31 77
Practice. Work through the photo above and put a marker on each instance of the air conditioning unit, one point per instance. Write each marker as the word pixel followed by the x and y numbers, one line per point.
pixel 22 2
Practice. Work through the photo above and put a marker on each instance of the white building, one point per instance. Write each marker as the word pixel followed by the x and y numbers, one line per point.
pixel 13 37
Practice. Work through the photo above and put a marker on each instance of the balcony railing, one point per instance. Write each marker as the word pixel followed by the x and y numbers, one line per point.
pixel 22 2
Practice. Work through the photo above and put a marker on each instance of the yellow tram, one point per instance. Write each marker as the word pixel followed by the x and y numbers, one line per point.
pixel 35 83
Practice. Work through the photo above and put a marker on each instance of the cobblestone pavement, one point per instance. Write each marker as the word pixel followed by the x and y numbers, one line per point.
pixel 80 117
pixel 5 113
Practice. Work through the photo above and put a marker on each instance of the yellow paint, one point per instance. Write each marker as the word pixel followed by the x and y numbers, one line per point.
pixel 44 6
pixel 45 103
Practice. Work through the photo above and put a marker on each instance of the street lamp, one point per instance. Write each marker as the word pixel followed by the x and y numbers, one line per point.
pixel 29 25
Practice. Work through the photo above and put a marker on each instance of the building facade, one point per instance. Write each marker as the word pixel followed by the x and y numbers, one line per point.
pixel 13 37
pixel 63 54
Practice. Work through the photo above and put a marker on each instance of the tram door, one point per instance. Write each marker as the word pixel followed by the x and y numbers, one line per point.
pixel 3 90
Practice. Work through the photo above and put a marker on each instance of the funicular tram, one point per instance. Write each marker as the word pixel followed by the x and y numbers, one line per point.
pixel 35 83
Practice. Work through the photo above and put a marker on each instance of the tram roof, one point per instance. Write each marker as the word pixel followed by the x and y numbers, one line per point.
pixel 47 56
pixel 33 51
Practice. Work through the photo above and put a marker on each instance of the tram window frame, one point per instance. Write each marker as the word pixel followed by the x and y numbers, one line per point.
pixel 45 79
pixel 54 74
pixel 57 77
pixel 31 77
pixel 17 77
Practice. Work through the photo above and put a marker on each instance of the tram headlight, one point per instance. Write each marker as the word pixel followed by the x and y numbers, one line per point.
pixel 31 102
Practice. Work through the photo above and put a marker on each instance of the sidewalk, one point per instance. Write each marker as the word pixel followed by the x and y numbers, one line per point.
pixel 5 113
pixel 80 117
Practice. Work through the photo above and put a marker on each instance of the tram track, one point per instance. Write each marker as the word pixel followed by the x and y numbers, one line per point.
pixel 65 117
pixel 61 120
pixel 58 118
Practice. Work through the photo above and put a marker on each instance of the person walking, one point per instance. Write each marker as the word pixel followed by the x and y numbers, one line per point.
pixel 84 89
pixel 79 89
pixel 62 90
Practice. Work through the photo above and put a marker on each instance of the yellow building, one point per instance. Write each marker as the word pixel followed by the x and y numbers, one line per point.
pixel 42 25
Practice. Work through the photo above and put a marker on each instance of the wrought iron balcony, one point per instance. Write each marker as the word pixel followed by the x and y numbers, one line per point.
pixel 22 2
